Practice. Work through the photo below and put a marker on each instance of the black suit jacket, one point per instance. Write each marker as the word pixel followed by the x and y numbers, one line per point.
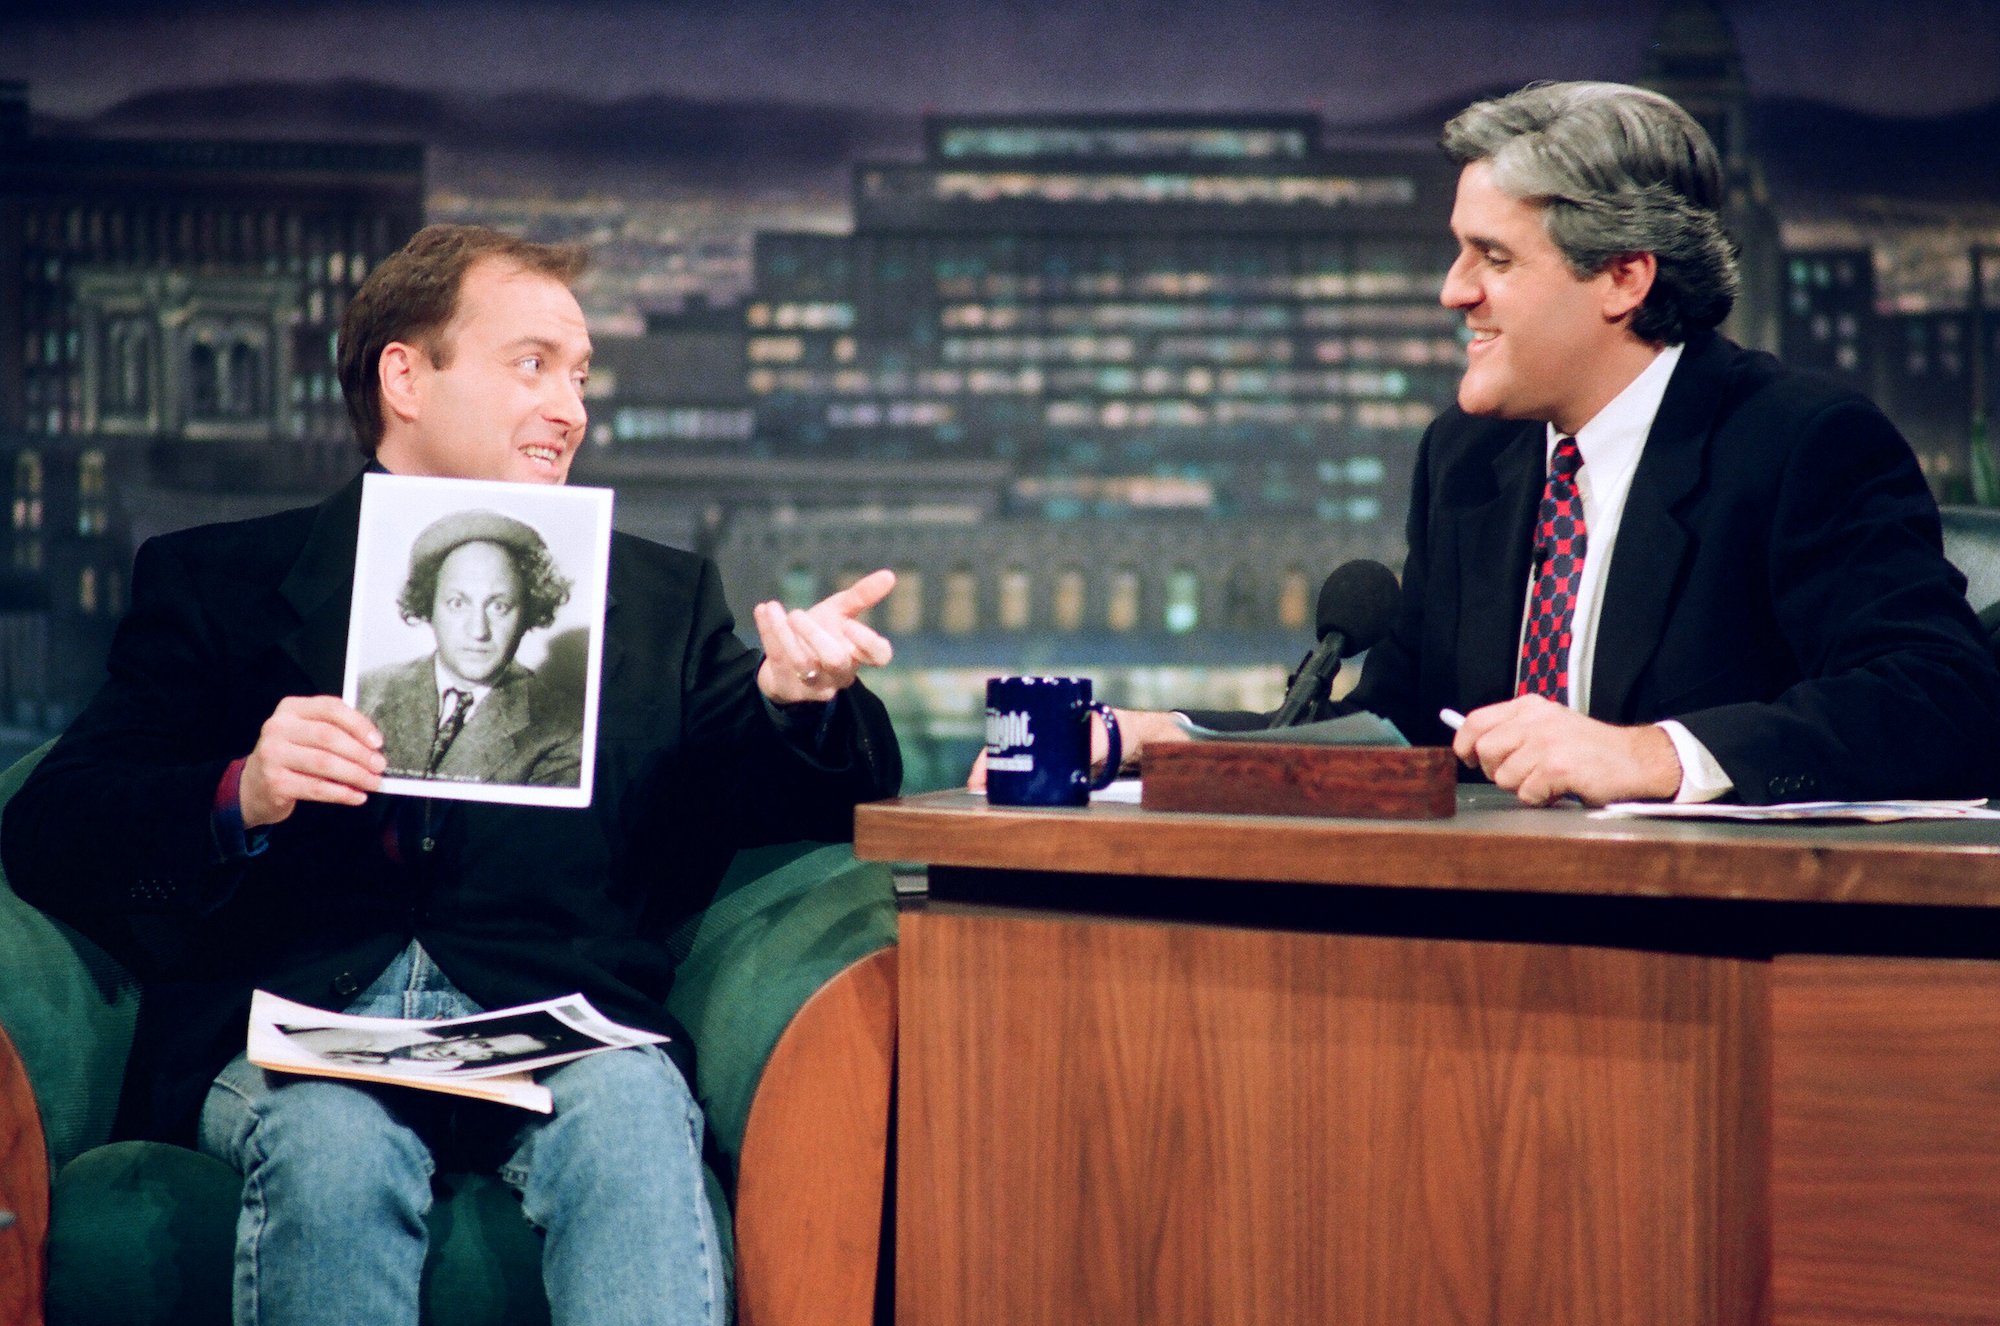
pixel 114 830
pixel 1777 585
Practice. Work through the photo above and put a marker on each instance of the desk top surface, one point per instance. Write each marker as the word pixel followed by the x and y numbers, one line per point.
pixel 1493 843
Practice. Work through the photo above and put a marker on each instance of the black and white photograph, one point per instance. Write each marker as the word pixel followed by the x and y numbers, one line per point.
pixel 489 1056
pixel 475 636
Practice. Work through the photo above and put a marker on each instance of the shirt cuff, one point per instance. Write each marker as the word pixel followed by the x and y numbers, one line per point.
pixel 1702 778
pixel 232 841
pixel 805 725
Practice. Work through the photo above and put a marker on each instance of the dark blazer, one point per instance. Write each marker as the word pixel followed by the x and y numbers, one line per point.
pixel 517 735
pixel 1777 585
pixel 114 832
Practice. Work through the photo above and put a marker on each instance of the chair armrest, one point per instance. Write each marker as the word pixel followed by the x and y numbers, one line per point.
pixel 784 922
pixel 70 1010
pixel 815 1167
pixel 789 994
pixel 24 1192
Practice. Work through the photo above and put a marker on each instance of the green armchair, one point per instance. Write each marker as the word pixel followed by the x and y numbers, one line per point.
pixel 1972 544
pixel 786 985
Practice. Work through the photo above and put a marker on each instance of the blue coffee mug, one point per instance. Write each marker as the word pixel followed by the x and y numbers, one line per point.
pixel 1038 741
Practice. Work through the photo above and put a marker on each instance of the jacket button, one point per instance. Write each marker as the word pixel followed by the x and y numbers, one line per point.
pixel 346 986
pixel 1776 787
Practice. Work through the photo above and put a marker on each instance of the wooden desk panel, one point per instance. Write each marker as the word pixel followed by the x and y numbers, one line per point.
pixel 1109 1121
pixel 1886 1167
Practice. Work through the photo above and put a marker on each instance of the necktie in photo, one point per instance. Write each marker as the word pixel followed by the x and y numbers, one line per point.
pixel 1559 545
pixel 453 703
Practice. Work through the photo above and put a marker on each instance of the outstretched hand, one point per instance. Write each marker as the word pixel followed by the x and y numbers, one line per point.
pixel 311 748
pixel 815 653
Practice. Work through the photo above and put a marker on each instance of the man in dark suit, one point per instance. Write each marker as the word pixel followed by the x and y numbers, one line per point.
pixel 213 817
pixel 467 711
pixel 1643 562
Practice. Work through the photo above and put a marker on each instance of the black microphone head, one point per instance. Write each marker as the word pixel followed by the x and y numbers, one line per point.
pixel 1358 600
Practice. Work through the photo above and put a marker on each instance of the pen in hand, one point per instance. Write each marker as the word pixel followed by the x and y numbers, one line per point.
pixel 1451 718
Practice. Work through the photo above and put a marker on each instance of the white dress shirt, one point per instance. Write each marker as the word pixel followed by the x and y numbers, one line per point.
pixel 1611 444
pixel 447 682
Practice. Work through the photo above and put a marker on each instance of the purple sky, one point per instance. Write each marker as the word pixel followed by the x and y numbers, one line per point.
pixel 1356 60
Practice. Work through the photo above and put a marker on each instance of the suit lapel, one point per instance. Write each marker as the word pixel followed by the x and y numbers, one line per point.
pixel 1653 538
pixel 505 711
pixel 319 587
pixel 1494 586
pixel 613 653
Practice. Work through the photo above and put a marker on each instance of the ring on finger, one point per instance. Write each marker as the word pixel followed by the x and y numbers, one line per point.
pixel 809 676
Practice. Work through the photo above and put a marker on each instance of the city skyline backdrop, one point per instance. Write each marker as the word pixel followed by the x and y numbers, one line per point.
pixel 664 135
pixel 871 285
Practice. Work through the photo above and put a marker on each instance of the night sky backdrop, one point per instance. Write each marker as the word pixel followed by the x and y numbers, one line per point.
pixel 1356 62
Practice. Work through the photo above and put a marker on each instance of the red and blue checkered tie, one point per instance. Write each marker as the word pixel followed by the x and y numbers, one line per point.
pixel 1559 544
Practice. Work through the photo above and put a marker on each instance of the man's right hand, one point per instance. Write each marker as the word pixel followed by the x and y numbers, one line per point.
pixel 311 748
pixel 1136 729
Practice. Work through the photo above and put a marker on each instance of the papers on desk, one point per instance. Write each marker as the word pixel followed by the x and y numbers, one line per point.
pixel 1357 729
pixel 1124 792
pixel 1823 812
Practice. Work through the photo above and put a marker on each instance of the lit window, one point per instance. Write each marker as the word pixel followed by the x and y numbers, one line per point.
pixel 776 349
pixel 904 608
pixel 1121 608
pixel 1183 601
pixel 1292 599
pixel 27 514
pixel 92 517
pixel 1068 600
pixel 961 603
pixel 1014 599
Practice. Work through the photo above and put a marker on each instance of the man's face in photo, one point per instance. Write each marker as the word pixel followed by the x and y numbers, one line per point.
pixel 476 616
pixel 473 1049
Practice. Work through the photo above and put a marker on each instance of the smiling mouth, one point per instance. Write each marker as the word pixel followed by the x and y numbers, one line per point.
pixel 542 453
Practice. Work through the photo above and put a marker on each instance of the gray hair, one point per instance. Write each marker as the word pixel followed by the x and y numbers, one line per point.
pixel 1615 170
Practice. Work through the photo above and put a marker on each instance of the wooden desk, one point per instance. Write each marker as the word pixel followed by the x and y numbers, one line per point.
pixel 1514 1067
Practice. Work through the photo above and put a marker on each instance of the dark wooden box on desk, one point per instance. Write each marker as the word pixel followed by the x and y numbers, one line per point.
pixel 1510 1067
pixel 1276 778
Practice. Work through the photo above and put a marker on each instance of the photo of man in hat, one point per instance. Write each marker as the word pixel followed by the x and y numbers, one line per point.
pixel 468 711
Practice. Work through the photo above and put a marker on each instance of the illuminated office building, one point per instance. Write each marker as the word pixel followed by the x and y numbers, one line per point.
pixel 1142 380
pixel 188 289
pixel 1931 379
pixel 1200 316
pixel 1828 325
pixel 167 317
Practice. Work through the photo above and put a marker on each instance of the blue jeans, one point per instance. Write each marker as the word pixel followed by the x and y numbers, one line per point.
pixel 337 1179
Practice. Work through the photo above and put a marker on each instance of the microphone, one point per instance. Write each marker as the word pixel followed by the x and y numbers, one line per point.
pixel 1357 605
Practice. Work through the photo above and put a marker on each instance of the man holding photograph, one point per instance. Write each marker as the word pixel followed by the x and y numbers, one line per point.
pixel 213 818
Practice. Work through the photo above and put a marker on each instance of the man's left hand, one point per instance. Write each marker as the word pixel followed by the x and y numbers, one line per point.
pixel 815 653
pixel 1540 750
